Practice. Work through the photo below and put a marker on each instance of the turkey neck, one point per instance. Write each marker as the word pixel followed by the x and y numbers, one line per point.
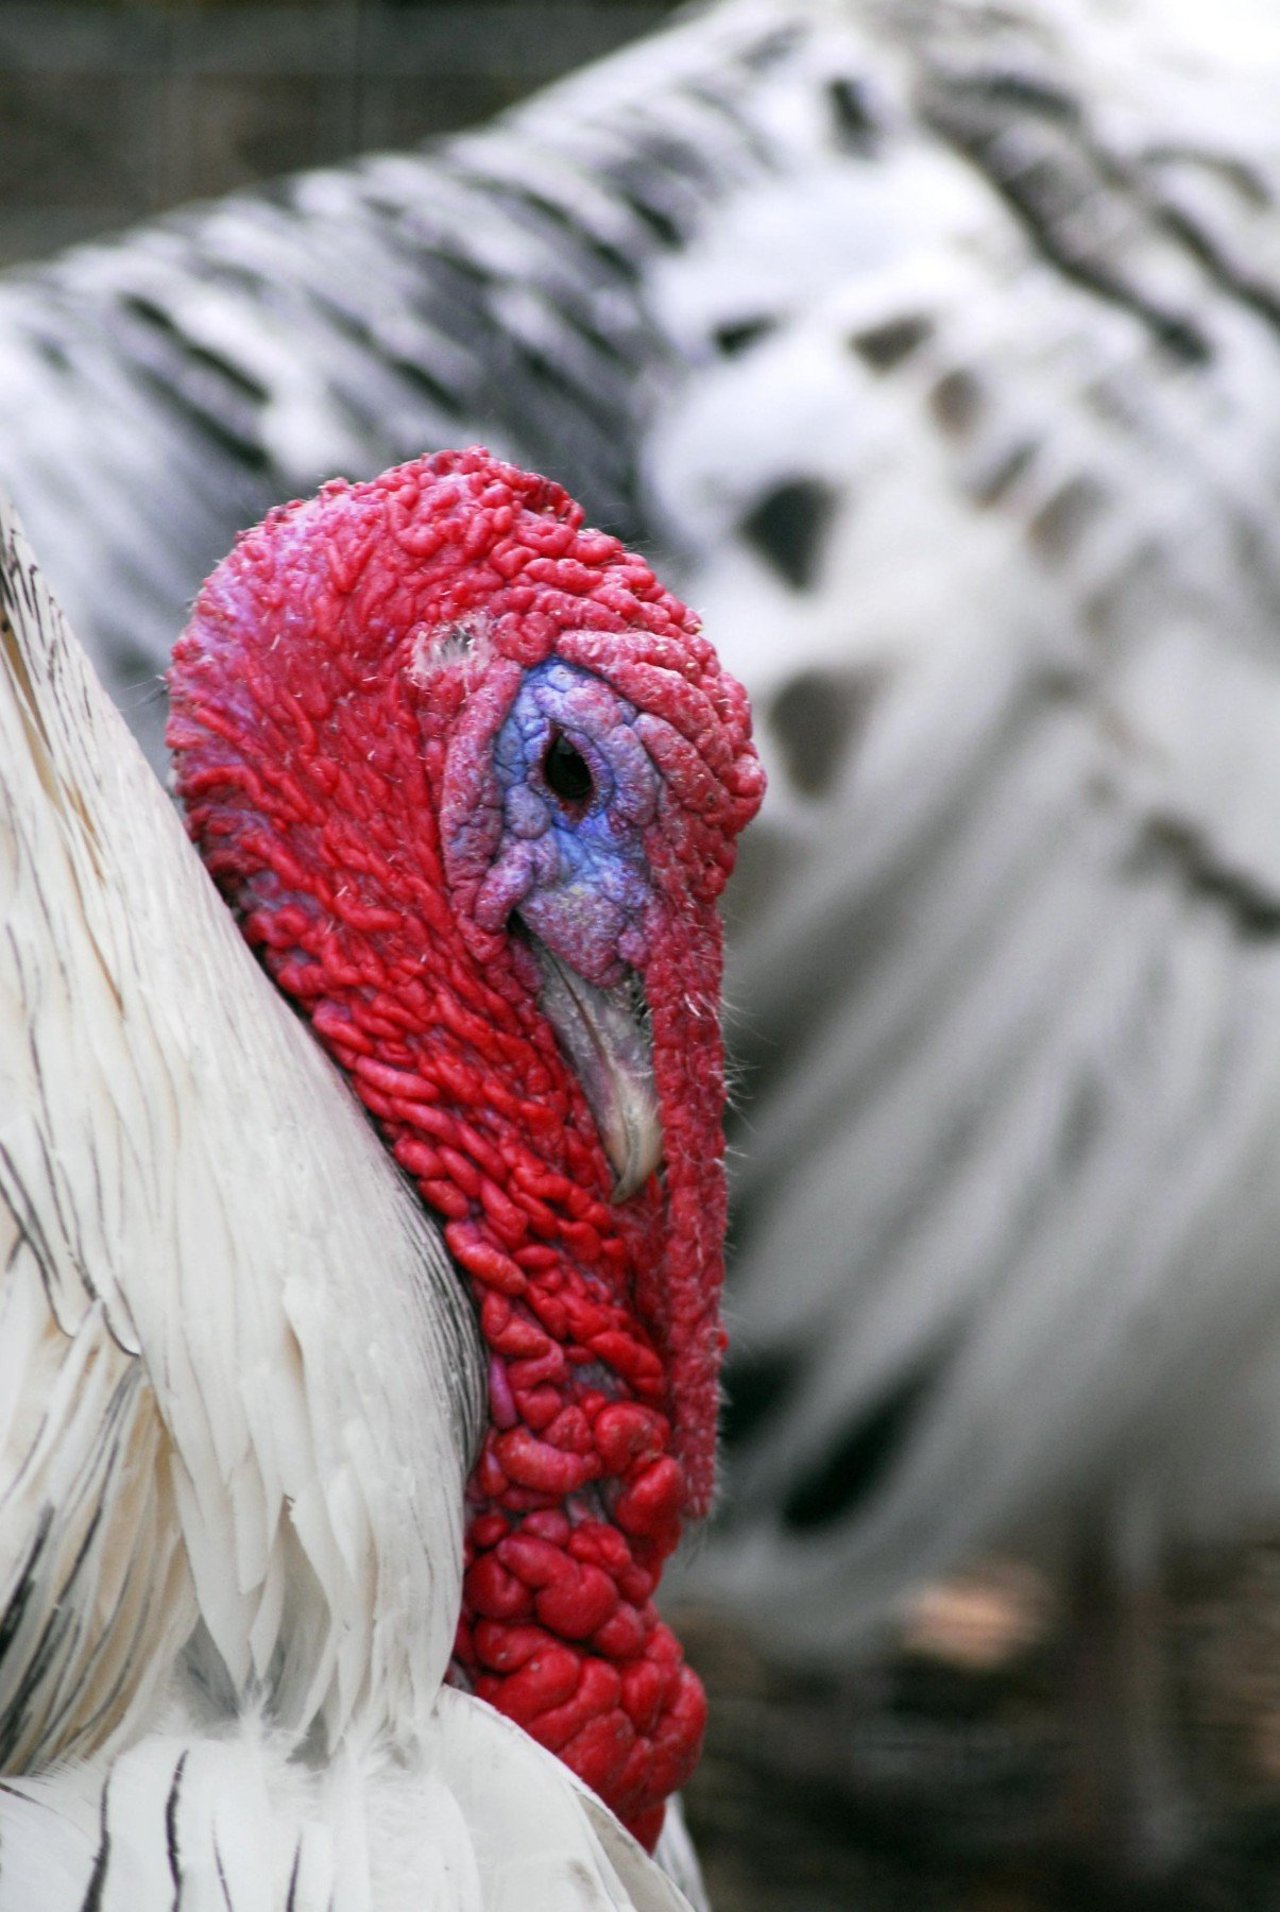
pixel 575 1500
pixel 355 699
pixel 576 1497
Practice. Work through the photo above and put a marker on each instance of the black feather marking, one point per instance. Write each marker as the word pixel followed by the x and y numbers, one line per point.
pixel 770 48
pixel 856 126
pixel 1245 180
pixel 92 1901
pixel 1000 478
pixel 568 226
pixel 61 1620
pixel 17 1714
pixel 814 717
pixel 956 402
pixel 736 336
pixel 53 353
pixel 1058 526
pixel 236 376
pixel 1171 843
pixel 1027 91
pixel 786 527
pixel 241 381
pixel 860 1458
pixel 239 445
pixel 415 373
pixel 1251 291
pixel 1045 191
pixel 754 139
pixel 11 1619
pixel 29 1227
pixel 171 1829
pixel 447 263
pixel 224 399
pixel 222 1877
pixel 756 1387
pixel 886 345
pixel 633 184
pixel 291 1901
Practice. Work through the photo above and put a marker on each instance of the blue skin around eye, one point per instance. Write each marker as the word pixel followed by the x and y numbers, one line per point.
pixel 576 871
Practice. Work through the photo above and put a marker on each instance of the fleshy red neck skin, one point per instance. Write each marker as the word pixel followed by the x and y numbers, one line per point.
pixel 360 702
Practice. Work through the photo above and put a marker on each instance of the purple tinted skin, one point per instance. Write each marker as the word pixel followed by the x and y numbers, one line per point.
pixel 573 866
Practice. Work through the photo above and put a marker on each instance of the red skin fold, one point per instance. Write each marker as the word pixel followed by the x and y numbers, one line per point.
pixel 336 698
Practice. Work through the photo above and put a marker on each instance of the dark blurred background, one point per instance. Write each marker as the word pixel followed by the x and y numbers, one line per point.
pixel 114 109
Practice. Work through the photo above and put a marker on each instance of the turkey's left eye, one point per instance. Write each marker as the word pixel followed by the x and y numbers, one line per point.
pixel 567 772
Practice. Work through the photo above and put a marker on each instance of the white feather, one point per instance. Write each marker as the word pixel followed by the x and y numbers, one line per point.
pixel 1007 974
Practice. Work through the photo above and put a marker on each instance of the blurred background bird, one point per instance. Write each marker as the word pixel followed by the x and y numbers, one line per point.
pixel 935 346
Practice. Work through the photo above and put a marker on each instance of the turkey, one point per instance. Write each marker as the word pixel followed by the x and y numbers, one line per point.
pixel 470 779
pixel 934 346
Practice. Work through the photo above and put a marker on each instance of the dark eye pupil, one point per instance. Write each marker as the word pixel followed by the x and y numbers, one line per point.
pixel 566 770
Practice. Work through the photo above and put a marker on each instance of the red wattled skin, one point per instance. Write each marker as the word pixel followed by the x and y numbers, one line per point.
pixel 339 700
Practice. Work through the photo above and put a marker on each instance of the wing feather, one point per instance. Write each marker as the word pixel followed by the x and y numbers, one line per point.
pixel 487 1822
pixel 200 1213
pixel 1007 982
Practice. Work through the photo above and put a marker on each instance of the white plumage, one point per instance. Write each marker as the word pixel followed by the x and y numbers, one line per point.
pixel 239 1395
pixel 1006 976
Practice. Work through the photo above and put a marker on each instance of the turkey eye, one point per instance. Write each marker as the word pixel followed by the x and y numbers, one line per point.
pixel 566 770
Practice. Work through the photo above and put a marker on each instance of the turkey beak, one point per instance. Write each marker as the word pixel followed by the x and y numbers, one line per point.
pixel 606 1043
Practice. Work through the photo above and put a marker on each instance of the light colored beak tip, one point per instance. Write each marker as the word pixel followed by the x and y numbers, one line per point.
pixel 610 1054
pixel 626 1185
pixel 633 1143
